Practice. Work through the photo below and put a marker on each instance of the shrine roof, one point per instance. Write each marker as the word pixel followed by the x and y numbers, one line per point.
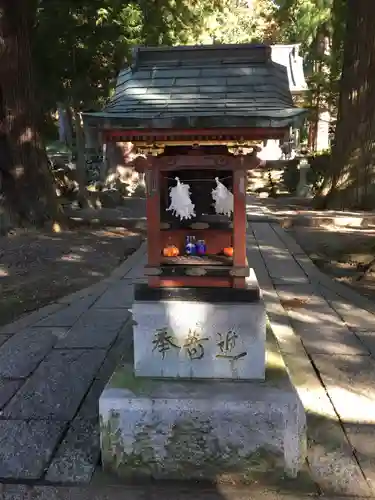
pixel 200 87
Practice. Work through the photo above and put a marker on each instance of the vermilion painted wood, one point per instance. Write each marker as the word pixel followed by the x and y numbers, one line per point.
pixel 239 283
pixel 190 281
pixel 239 225
pixel 216 240
pixel 197 162
pixel 205 162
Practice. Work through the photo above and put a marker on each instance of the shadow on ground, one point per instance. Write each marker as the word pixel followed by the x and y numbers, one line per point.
pixel 340 400
pixel 38 268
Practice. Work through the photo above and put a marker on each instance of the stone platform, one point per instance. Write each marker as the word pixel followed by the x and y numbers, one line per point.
pixel 194 429
pixel 206 332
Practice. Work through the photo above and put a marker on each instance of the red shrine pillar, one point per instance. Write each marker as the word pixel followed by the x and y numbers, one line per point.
pixel 239 223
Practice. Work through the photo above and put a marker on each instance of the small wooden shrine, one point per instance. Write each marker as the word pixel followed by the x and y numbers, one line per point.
pixel 197 402
pixel 223 262
pixel 197 114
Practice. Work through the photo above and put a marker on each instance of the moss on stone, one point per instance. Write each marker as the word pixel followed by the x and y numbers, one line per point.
pixel 124 378
pixel 191 451
pixel 141 459
pixel 111 439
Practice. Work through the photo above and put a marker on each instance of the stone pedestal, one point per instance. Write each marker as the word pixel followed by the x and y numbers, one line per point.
pixel 207 333
pixel 202 399
pixel 303 189
pixel 185 429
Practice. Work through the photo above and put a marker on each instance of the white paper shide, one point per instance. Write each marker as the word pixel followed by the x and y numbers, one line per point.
pixel 181 205
pixel 223 199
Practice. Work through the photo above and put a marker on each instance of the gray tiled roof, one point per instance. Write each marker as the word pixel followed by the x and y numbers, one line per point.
pixel 201 87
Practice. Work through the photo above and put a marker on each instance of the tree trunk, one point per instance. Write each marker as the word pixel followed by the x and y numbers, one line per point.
pixel 350 180
pixel 65 125
pixel 27 182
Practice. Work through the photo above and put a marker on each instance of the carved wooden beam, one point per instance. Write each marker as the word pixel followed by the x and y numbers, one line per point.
pixel 195 136
pixel 207 162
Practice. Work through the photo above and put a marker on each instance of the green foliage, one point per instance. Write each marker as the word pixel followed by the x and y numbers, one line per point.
pixel 300 21
pixel 237 22
pixel 79 48
pixel 173 22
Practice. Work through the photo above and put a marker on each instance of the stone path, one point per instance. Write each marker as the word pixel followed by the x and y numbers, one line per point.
pixel 55 362
pixel 327 336
pixel 54 365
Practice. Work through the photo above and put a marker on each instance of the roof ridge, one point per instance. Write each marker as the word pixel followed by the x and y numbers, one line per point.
pixel 252 53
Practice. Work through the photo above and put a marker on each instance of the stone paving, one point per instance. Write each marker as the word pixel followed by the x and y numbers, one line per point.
pixel 55 362
pixel 327 336
pixel 54 365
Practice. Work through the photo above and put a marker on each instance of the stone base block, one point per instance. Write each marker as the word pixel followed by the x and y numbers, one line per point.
pixel 207 333
pixel 166 429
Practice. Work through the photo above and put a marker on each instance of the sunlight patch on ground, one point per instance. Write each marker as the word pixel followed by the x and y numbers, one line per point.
pixel 354 407
pixel 3 272
pixel 71 257
pixel 56 228
pixel 315 317
pixel 315 401
pixel 83 249
pixel 275 360
pixel 114 233
pixel 95 273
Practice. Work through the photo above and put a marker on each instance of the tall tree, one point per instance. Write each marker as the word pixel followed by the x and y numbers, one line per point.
pixel 338 19
pixel 88 43
pixel 79 52
pixel 350 180
pixel 26 180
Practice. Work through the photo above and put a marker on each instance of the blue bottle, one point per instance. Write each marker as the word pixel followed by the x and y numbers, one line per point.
pixel 192 240
pixel 189 246
pixel 201 247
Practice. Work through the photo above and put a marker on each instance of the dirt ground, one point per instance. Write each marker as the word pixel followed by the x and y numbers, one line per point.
pixel 37 268
pixel 340 252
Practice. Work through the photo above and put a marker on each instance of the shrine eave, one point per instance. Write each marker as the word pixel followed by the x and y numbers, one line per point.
pixel 269 119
